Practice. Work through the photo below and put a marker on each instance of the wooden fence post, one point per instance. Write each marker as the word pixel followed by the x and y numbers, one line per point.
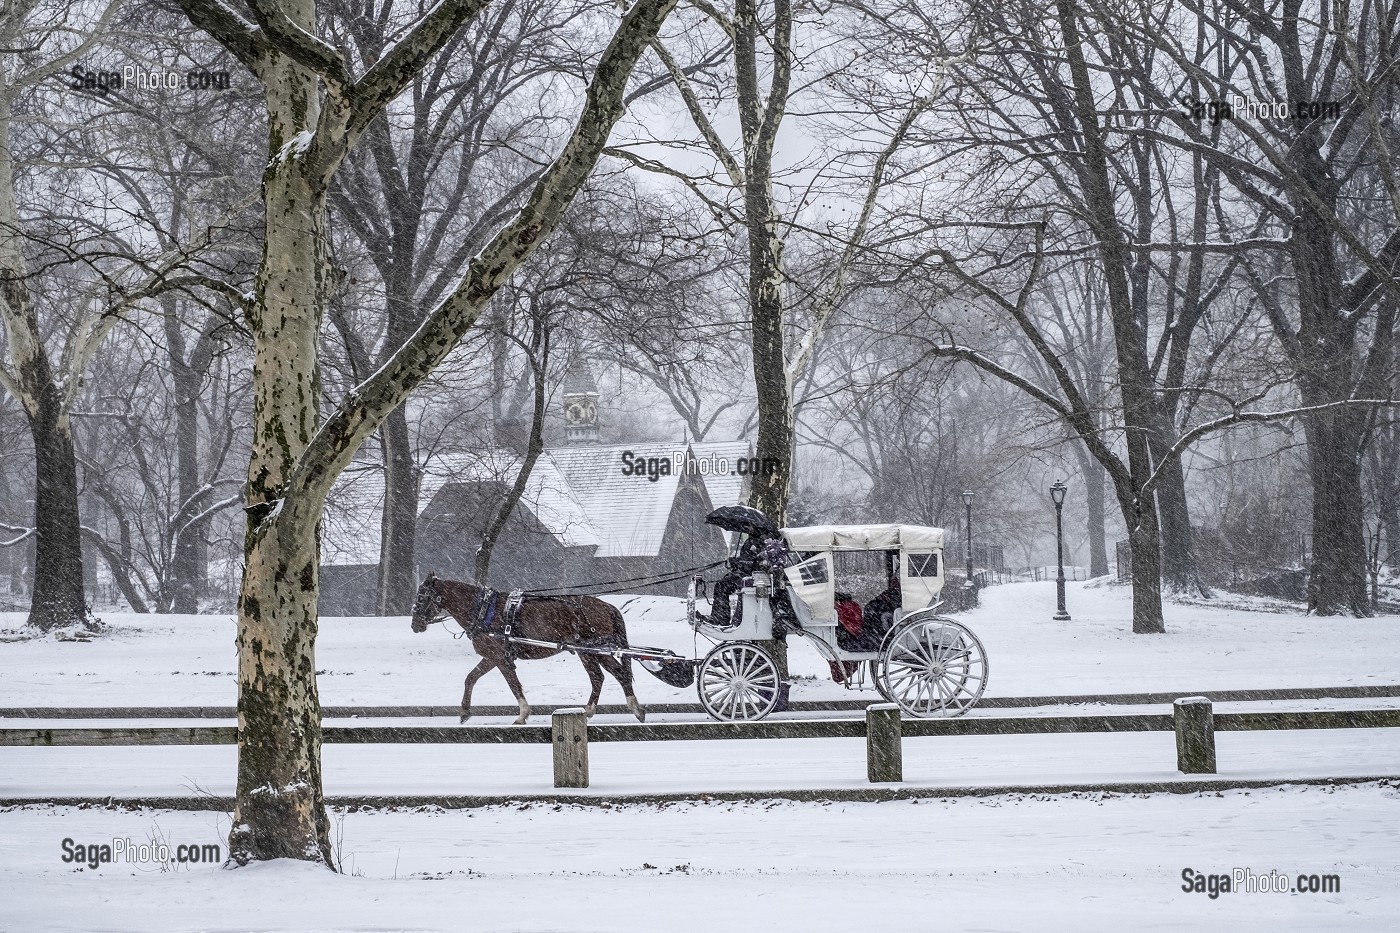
pixel 569 729
pixel 884 757
pixel 1195 735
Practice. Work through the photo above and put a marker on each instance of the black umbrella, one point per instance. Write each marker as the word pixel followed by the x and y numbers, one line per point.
pixel 743 519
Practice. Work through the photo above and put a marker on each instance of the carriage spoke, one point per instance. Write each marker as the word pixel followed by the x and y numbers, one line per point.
pixel 933 667
pixel 739 682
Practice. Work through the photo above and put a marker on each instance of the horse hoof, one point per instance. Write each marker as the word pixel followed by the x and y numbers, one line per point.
pixel 462 720
pixel 519 722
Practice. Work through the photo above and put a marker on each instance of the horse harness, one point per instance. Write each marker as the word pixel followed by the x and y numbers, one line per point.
pixel 484 614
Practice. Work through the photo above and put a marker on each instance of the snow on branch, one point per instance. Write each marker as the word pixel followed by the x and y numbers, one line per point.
pixel 24 534
pixel 1243 417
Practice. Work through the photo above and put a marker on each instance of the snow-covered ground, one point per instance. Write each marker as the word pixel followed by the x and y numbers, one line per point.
pixel 1008 862
pixel 189 660
pixel 1089 863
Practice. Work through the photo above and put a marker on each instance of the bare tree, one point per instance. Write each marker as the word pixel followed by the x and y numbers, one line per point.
pixel 1324 252
pixel 428 186
pixel 761 41
pixel 106 274
pixel 317 109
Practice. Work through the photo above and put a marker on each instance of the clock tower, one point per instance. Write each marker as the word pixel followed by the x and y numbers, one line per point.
pixel 580 405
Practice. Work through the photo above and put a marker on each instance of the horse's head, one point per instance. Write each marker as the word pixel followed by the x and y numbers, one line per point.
pixel 427 605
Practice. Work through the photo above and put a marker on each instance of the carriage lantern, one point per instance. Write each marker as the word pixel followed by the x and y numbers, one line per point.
pixel 1057 495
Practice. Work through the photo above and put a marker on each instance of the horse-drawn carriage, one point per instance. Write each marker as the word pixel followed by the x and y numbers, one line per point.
pixel 925 663
pixel 780 583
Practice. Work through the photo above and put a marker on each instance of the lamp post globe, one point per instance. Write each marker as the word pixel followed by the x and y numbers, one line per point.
pixel 1057 495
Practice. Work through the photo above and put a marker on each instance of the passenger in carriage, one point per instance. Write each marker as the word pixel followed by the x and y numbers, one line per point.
pixel 879 612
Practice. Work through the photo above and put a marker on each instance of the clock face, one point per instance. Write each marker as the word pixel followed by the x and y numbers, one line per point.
pixel 581 412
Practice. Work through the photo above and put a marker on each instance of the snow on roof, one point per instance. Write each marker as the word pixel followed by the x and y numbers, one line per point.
pixel 547 493
pixel 630 512
pixel 579 493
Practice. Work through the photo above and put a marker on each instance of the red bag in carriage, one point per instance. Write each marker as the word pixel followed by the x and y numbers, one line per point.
pixel 849 615
pixel 850 618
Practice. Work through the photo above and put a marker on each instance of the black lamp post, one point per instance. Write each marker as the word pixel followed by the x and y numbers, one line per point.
pixel 967 500
pixel 1057 493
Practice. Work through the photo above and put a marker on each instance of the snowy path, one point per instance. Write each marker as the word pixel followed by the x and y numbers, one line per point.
pixel 189 660
pixel 1010 863
pixel 1034 863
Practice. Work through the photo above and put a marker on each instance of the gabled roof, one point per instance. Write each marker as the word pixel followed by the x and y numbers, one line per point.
pixel 579 493
pixel 630 512
pixel 547 493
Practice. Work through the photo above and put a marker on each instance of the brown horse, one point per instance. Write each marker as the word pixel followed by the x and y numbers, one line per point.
pixel 577 620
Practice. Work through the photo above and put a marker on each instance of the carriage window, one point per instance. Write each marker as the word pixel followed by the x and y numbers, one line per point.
pixel 814 572
pixel 923 565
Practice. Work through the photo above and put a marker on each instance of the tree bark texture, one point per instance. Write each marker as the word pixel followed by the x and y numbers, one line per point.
pixel 58 598
pixel 398 561
pixel 1337 582
pixel 279 810
pixel 759 119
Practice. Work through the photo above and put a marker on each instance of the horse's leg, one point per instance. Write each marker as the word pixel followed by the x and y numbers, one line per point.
pixel 478 672
pixel 622 672
pixel 595 677
pixel 508 672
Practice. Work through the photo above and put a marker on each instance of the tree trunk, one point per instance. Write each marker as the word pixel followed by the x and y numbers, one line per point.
pixel 1144 538
pixel 58 597
pixel 398 561
pixel 759 118
pixel 1135 384
pixel 1093 473
pixel 1337 582
pixel 1179 571
pixel 1390 522
pixel 279 808
pixel 189 565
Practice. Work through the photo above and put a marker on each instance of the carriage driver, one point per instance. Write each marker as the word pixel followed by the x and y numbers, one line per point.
pixel 763 548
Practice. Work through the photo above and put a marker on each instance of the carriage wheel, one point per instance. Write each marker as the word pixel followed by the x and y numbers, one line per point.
pixel 738 682
pixel 932 667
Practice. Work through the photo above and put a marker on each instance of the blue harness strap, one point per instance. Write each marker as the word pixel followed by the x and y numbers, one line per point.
pixel 484 612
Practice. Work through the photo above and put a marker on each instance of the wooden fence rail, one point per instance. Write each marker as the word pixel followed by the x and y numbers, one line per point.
pixel 1192 719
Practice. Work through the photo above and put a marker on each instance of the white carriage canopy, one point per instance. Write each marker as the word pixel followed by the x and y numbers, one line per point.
pixel 920 565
